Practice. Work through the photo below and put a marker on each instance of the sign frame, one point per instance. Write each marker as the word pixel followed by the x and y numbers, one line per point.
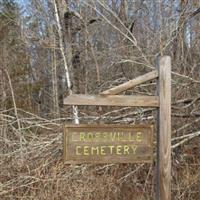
pixel 147 129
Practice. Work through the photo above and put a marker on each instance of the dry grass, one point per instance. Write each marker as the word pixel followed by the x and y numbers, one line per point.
pixel 37 171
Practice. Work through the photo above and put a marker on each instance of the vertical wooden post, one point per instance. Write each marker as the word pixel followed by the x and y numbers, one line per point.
pixel 164 130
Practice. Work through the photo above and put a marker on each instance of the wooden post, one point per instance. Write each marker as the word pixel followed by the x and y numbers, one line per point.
pixel 164 130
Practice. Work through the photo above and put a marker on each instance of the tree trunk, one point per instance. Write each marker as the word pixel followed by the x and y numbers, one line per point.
pixel 62 49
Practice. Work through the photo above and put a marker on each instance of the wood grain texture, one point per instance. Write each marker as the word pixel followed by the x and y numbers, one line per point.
pixel 112 100
pixel 165 127
pixel 132 83
pixel 108 144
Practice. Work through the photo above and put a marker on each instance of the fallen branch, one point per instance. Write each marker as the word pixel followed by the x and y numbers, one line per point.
pixel 185 138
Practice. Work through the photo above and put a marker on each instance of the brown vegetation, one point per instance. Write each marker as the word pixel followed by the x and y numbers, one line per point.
pixel 52 48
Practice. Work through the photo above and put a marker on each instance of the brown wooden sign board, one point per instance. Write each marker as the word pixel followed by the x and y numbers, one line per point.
pixel 108 144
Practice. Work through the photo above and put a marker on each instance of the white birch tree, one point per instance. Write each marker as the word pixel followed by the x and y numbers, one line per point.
pixel 61 45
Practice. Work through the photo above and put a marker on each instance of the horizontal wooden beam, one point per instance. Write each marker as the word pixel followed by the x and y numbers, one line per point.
pixel 112 100
pixel 132 83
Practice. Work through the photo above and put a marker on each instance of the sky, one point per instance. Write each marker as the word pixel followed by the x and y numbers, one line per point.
pixel 23 4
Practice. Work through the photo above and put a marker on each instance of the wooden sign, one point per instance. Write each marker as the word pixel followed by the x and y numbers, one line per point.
pixel 127 144
pixel 108 143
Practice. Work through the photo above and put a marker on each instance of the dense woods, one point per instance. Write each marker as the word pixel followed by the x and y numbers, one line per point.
pixel 50 49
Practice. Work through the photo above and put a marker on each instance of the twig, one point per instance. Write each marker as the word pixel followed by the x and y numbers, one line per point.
pixel 186 139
